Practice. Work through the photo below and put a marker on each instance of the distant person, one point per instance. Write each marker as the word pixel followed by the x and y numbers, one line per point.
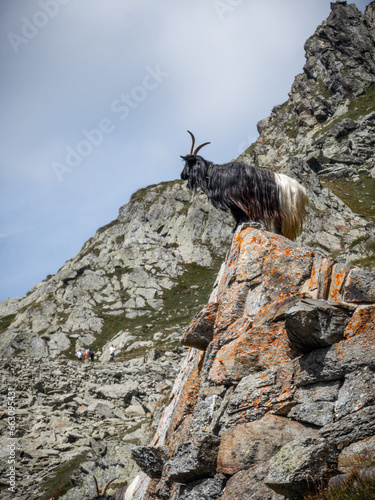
pixel 112 353
pixel 92 354
pixel 87 354
pixel 79 355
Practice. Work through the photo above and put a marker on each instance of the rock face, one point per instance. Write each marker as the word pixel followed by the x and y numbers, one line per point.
pixel 285 342
pixel 275 410
pixel 80 419
pixel 127 271
pixel 133 285
pixel 327 127
pixel 118 288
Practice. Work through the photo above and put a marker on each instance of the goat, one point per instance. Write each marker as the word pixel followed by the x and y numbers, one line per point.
pixel 125 493
pixel 249 193
pixel 119 495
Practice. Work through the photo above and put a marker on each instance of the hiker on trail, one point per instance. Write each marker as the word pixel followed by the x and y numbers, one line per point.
pixel 87 353
pixel 112 353
pixel 92 354
pixel 79 355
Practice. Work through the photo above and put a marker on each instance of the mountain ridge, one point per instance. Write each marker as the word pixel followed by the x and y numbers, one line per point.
pixel 138 281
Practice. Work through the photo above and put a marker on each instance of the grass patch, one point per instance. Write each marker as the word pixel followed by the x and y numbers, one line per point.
pixel 358 241
pixel 358 195
pixel 291 132
pixel 353 489
pixel 6 321
pixel 60 483
pixel 108 226
pixel 139 196
pixel 93 249
pixel 120 271
pixel 361 106
pixel 191 291
pixel 120 239
pixel 366 262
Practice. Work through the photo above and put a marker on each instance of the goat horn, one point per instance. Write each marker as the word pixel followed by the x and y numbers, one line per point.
pixel 200 147
pixel 192 146
pixel 97 488
pixel 106 486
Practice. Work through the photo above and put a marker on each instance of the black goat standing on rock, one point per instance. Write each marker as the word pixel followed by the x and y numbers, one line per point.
pixel 249 193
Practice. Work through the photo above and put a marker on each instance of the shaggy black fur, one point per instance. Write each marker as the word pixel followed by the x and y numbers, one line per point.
pixel 249 193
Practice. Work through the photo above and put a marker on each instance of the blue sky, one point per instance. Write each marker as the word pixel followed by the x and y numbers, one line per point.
pixel 97 95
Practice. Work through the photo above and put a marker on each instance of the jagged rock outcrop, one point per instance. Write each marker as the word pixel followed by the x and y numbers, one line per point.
pixel 118 287
pixel 327 126
pixel 134 284
pixel 325 130
pixel 276 410
pixel 285 341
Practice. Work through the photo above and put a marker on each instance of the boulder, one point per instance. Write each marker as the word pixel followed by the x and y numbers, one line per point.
pixel 203 489
pixel 256 442
pixel 193 460
pixel 150 459
pixel 313 323
pixel 297 464
pixel 201 330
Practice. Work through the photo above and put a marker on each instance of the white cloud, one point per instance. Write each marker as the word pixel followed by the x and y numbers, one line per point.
pixel 225 72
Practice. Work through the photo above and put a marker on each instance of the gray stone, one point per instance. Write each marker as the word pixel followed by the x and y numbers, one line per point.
pixel 356 392
pixel 293 467
pixel 316 403
pixel 203 489
pixel 332 363
pixel 360 286
pixel 314 323
pixel 256 442
pixel 249 485
pixel 357 456
pixel 317 413
pixel 201 330
pixel 353 427
pixel 193 460
pixel 150 459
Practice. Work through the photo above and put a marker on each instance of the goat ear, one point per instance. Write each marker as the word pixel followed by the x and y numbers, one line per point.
pixel 189 159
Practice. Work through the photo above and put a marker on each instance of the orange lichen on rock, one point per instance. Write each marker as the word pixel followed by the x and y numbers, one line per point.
pixel 186 403
pixel 253 442
pixel 317 286
pixel 362 319
pixel 248 387
pixel 339 275
pixel 257 349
